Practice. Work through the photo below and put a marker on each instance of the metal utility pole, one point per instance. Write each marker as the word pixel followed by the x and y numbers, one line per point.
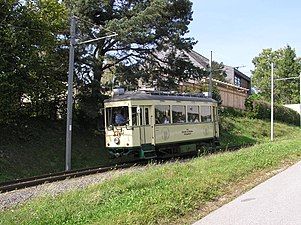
pixel 272 101
pixel 70 95
pixel 70 87
pixel 300 97
pixel 210 77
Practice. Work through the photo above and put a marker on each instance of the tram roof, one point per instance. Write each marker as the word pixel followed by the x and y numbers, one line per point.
pixel 142 95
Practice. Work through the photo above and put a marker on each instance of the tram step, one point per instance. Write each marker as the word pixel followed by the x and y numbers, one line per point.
pixel 148 152
pixel 150 156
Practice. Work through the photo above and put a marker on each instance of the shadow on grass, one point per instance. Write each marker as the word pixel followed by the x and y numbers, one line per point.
pixel 38 147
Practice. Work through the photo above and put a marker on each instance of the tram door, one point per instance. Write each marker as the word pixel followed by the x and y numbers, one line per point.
pixel 145 127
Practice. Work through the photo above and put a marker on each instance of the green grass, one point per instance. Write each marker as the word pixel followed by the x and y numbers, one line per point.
pixel 243 130
pixel 158 194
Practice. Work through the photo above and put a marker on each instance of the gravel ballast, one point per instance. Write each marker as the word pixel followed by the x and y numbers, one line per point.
pixel 17 197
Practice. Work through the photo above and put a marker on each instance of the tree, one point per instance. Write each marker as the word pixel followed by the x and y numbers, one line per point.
pixel 32 57
pixel 218 71
pixel 150 34
pixel 286 65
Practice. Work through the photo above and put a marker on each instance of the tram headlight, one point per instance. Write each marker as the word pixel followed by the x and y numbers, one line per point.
pixel 116 140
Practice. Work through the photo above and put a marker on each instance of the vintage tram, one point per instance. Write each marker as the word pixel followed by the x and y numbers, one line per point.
pixel 151 124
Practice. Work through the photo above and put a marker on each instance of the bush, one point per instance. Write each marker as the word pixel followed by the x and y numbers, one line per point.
pixel 249 101
pixel 262 110
pixel 88 111
pixel 229 111
pixel 216 95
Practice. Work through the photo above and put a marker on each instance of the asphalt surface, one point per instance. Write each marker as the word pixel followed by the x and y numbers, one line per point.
pixel 276 201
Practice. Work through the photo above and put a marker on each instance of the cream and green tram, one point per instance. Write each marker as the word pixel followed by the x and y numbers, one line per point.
pixel 155 124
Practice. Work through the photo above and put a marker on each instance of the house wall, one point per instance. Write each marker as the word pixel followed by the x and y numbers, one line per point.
pixel 231 95
pixel 245 83
pixel 230 74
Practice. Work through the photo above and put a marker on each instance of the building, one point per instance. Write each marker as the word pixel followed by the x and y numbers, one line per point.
pixel 233 92
pixel 234 76
pixel 231 95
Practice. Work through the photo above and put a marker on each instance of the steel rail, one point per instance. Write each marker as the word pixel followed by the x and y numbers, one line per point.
pixel 48 178
pixel 52 177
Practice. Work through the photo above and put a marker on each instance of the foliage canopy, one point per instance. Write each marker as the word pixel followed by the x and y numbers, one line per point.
pixel 150 33
pixel 32 62
pixel 150 43
pixel 287 64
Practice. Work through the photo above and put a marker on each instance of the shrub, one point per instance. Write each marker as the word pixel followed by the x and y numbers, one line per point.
pixel 216 95
pixel 262 110
pixel 249 101
pixel 229 111
pixel 88 110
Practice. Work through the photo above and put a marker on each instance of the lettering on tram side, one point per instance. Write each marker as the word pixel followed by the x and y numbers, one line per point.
pixel 187 132
pixel 165 134
pixel 206 131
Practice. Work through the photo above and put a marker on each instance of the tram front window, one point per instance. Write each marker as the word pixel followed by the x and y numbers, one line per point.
pixel 117 116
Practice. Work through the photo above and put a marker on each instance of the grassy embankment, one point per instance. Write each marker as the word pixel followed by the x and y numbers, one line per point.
pixel 243 130
pixel 38 147
pixel 166 194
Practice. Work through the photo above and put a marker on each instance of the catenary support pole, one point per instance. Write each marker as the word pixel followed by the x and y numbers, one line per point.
pixel 210 77
pixel 70 95
pixel 272 101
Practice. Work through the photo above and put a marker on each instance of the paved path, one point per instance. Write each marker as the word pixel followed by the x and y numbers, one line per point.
pixel 276 201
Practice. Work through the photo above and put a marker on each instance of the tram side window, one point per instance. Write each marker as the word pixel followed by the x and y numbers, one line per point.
pixel 134 116
pixel 193 114
pixel 143 112
pixel 178 114
pixel 141 116
pixel 146 117
pixel 162 114
pixel 206 114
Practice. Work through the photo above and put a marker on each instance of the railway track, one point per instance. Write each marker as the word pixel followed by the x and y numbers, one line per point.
pixel 52 177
